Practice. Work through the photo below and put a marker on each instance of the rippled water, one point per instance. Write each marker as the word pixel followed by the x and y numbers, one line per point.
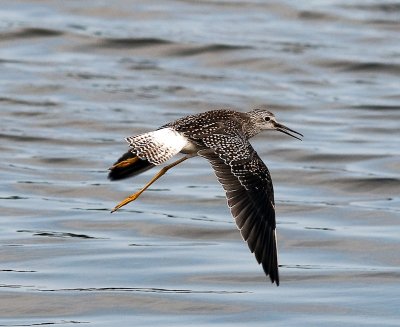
pixel 77 77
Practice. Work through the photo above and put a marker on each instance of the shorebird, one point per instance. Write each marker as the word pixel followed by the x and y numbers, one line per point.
pixel 222 137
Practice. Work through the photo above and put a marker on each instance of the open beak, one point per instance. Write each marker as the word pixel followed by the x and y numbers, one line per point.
pixel 288 131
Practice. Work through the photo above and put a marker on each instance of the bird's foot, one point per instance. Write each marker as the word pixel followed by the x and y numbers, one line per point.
pixel 125 201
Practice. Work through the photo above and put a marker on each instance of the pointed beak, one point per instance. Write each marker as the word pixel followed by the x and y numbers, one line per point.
pixel 288 131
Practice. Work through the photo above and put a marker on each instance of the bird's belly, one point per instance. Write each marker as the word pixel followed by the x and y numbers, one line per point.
pixel 190 148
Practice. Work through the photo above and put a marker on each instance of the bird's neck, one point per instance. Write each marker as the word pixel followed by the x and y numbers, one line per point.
pixel 250 129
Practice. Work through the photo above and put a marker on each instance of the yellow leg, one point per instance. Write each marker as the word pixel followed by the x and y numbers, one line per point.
pixel 134 196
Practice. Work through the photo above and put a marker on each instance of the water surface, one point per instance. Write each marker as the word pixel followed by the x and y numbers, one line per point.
pixel 77 77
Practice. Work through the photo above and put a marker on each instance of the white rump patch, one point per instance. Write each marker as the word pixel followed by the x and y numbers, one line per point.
pixel 159 146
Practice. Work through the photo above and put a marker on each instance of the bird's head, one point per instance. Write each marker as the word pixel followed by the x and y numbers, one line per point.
pixel 264 119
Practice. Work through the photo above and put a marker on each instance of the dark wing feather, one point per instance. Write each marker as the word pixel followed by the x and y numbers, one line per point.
pixel 250 196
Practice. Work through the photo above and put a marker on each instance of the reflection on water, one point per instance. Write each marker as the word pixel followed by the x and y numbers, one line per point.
pixel 79 77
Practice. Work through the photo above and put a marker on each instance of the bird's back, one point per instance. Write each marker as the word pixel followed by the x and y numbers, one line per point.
pixel 209 123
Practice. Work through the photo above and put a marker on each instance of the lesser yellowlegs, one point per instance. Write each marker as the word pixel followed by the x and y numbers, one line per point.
pixel 220 136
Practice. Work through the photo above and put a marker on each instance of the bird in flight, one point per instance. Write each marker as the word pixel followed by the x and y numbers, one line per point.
pixel 222 137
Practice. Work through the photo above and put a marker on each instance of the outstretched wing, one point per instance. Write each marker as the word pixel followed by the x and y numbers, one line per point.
pixel 249 192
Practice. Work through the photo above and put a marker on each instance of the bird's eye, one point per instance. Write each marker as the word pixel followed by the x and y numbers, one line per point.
pixel 267 118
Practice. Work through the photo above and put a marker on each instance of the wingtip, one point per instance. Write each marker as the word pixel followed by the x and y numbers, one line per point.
pixel 274 278
pixel 276 281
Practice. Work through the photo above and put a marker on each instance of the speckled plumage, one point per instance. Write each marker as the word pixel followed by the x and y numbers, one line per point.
pixel 222 137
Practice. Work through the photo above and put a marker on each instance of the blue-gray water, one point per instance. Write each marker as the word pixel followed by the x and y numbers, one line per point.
pixel 79 76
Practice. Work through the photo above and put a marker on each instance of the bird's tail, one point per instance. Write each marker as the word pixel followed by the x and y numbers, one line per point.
pixel 127 166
